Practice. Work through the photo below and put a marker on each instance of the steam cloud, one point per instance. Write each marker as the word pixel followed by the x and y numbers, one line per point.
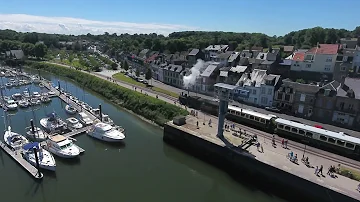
pixel 195 72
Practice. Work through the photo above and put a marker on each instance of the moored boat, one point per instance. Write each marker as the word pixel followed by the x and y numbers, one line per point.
pixel 106 132
pixel 62 147
pixel 45 158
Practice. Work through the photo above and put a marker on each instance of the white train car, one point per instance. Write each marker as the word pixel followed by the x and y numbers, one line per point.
pixel 332 141
pixel 250 117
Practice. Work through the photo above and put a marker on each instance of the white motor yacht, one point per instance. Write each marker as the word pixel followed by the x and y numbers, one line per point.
pixel 36 95
pixel 73 123
pixel 70 109
pixel 23 104
pixel 106 119
pixel 26 94
pixel 53 123
pixel 41 85
pixel 45 158
pixel 35 101
pixel 9 85
pixel 11 105
pixel 85 119
pixel 51 93
pixel 37 134
pixel 14 140
pixel 62 147
pixel 16 96
pixel 45 99
pixel 106 132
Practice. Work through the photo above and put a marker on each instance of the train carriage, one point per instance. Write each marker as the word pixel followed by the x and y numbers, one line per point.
pixel 250 117
pixel 335 142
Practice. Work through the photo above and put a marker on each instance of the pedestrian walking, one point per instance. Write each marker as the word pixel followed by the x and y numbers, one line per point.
pixel 320 170
pixel 286 143
pixel 197 124
pixel 316 170
pixel 283 143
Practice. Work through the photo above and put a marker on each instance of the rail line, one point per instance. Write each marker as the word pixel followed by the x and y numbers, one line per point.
pixel 311 150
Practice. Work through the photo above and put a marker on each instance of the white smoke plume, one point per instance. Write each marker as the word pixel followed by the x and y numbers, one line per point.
pixel 190 80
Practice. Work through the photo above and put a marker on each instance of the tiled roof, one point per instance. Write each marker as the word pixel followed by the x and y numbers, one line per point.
pixel 225 55
pixel 325 49
pixel 233 56
pixel 350 84
pixel 299 56
pixel 238 69
pixel 216 47
pixel 256 76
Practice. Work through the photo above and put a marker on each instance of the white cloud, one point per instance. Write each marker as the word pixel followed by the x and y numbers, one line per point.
pixel 76 26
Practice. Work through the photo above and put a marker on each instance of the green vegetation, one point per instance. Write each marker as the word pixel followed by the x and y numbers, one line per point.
pixel 151 108
pixel 122 77
pixel 113 44
pixel 350 173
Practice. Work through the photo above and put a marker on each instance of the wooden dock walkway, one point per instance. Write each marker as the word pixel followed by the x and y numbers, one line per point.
pixel 77 132
pixel 16 155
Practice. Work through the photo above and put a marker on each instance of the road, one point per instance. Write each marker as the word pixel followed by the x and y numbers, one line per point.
pixel 109 73
pixel 204 118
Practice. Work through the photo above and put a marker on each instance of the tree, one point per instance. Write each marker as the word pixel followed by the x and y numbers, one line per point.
pixel 77 46
pixel 137 73
pixel 148 74
pixel 40 50
pixel 125 65
pixel 114 66
pixel 71 58
pixel 62 55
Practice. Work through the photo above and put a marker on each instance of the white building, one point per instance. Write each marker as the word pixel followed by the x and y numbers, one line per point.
pixel 260 85
pixel 356 61
pixel 213 50
pixel 318 59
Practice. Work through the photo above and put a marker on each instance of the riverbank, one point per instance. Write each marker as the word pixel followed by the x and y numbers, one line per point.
pixel 150 108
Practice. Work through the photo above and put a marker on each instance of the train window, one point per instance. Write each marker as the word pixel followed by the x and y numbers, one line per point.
pixel 280 126
pixel 331 140
pixel 251 117
pixel 309 134
pixel 237 113
pixel 232 111
pixel 294 130
pixel 262 121
pixel 301 132
pixel 242 114
pixel 287 127
pixel 339 142
pixel 256 118
pixel 323 138
pixel 247 115
pixel 349 145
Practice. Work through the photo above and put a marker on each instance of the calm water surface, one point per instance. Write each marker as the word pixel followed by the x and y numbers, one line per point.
pixel 145 169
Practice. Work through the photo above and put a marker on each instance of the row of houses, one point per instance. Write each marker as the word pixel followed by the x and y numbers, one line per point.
pixel 319 83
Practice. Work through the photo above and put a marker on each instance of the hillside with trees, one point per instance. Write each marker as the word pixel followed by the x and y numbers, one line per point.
pixel 175 42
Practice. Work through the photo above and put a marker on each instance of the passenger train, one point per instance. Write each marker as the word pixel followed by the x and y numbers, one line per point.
pixel 335 142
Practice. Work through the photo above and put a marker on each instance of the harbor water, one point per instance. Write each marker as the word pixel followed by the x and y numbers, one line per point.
pixel 144 169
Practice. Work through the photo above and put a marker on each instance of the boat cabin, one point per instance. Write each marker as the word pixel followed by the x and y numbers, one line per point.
pixel 60 142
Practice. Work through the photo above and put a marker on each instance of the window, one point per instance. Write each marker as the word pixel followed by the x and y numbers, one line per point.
pixel 341 143
pixel 251 117
pixel 294 130
pixel 323 138
pixel 339 58
pixel 331 140
pixel 263 90
pixel 308 66
pixel 301 132
pixel 262 121
pixel 237 113
pixel 287 97
pixel 342 68
pixel 329 59
pixel 270 91
pixel 280 126
pixel 279 96
pixel 349 145
pixel 351 106
pixel 254 91
pixel 342 104
pixel 309 135
pixel 350 59
pixel 256 118
pixel 287 127
pixel 302 97
pixel 327 67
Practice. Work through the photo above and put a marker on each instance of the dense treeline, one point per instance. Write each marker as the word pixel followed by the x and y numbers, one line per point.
pixel 181 41
pixel 151 108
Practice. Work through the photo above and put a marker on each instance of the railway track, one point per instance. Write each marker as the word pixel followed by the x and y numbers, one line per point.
pixel 299 146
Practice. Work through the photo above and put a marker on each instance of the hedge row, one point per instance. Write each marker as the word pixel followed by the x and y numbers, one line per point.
pixel 148 107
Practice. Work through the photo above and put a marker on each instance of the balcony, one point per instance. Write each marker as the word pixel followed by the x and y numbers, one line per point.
pixel 345 110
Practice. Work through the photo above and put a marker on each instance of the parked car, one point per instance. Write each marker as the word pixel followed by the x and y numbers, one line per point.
pixel 272 109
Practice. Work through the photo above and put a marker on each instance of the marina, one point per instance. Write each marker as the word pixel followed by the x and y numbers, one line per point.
pixel 58 135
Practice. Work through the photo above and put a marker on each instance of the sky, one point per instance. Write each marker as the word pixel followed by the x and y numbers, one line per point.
pixel 272 17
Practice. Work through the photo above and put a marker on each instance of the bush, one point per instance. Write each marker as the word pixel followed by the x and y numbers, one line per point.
pixel 149 107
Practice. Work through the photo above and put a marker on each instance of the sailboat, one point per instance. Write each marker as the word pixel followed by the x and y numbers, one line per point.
pixel 14 140
pixel 37 134
pixel 46 159
pixel 70 109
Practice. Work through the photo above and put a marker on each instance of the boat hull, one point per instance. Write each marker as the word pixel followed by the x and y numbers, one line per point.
pixel 61 155
pixel 105 138
pixel 42 166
